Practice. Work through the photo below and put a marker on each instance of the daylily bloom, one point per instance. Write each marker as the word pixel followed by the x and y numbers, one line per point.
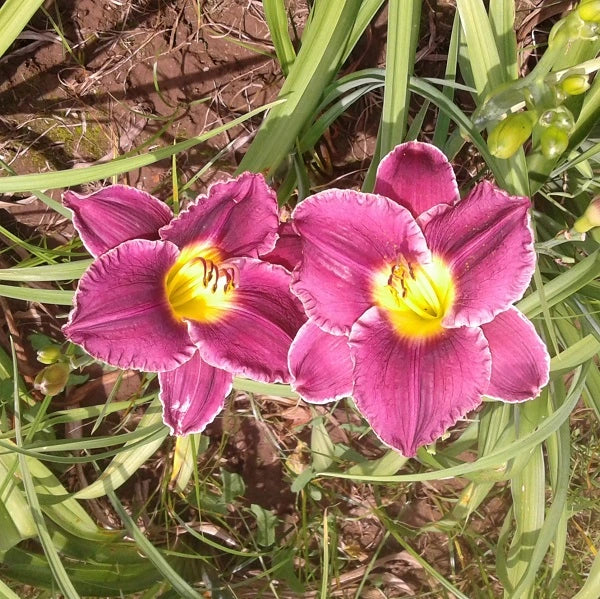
pixel 320 363
pixel 422 283
pixel 186 297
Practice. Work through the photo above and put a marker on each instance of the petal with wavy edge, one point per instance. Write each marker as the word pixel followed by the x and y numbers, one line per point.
pixel 520 361
pixel 411 391
pixel 320 365
pixel 417 176
pixel 238 217
pixel 254 336
pixel 121 315
pixel 192 395
pixel 487 242
pixel 114 214
pixel 347 238
pixel 288 248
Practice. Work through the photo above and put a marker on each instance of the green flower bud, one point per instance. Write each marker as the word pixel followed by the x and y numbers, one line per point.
pixel 52 379
pixel 510 134
pixel 590 218
pixel 554 142
pixel 589 10
pixel 49 354
pixel 559 117
pixel 573 85
pixel 574 27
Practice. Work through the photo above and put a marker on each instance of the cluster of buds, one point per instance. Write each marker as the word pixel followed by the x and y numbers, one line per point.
pixel 554 126
pixel 52 379
pixel 545 116
pixel 582 23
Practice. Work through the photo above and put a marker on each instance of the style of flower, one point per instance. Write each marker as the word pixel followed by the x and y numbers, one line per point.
pixel 422 283
pixel 186 297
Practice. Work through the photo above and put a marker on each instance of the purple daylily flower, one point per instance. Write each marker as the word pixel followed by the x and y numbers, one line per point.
pixel 186 297
pixel 421 286
pixel 320 363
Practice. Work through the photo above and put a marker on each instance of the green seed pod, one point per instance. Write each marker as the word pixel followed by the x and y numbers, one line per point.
pixel 573 85
pixel 52 379
pixel 554 142
pixel 589 10
pixel 50 354
pixel 510 134
pixel 590 218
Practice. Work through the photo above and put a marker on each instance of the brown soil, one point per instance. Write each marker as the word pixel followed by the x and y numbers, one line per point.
pixel 130 69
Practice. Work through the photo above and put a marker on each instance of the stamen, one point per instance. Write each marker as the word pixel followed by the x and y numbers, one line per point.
pixel 232 277
pixel 416 290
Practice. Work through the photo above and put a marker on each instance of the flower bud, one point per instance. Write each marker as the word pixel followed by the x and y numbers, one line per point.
pixel 52 379
pixel 510 134
pixel 590 218
pixel 49 354
pixel 573 85
pixel 589 10
pixel 554 142
pixel 559 117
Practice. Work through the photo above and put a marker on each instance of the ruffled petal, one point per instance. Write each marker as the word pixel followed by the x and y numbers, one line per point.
pixel 192 395
pixel 417 176
pixel 121 315
pixel 320 365
pixel 411 391
pixel 520 361
pixel 114 214
pixel 487 242
pixel 348 237
pixel 288 248
pixel 254 335
pixel 238 217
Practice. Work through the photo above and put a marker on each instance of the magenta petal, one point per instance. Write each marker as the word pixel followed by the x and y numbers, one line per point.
pixel 347 238
pixel 410 390
pixel 254 336
pixel 320 365
pixel 487 242
pixel 417 176
pixel 192 395
pixel 520 361
pixel 238 217
pixel 288 248
pixel 114 214
pixel 121 315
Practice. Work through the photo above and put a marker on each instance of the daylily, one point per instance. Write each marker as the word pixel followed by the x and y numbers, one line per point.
pixel 319 363
pixel 422 283
pixel 186 297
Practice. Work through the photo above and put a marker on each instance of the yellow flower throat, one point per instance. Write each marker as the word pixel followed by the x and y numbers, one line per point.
pixel 416 297
pixel 198 286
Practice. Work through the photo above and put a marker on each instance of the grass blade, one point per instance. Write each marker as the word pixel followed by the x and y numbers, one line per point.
pixel 129 459
pixel 403 35
pixel 70 177
pixel 44 296
pixel 277 23
pixel 14 15
pixel 323 43
pixel 179 585
pixel 51 272
pixel 502 21
pixel 58 570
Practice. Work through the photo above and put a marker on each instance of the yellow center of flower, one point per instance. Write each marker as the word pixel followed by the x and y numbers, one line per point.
pixel 416 297
pixel 198 286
